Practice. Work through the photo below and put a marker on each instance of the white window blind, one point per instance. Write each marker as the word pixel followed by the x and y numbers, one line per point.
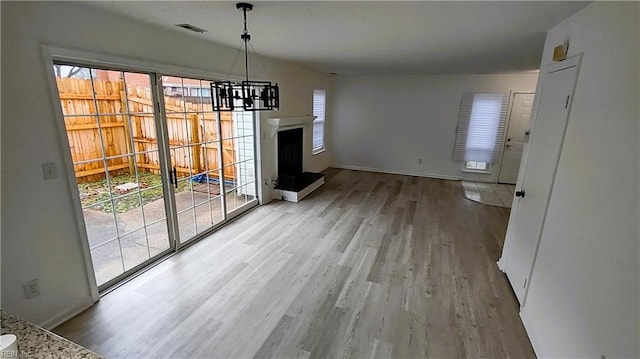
pixel 319 105
pixel 480 127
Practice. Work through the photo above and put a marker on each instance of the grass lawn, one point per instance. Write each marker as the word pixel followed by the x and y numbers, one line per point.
pixel 98 192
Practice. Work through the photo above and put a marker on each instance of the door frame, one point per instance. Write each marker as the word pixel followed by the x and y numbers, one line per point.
pixel 168 193
pixel 53 53
pixel 512 98
pixel 573 61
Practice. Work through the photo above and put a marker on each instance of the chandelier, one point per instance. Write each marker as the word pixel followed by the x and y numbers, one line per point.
pixel 247 95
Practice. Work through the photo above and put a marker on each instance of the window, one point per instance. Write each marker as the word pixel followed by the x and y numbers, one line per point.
pixel 319 107
pixel 476 166
pixel 480 130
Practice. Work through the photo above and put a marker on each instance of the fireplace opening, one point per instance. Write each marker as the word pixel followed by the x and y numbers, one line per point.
pixel 290 152
pixel 290 162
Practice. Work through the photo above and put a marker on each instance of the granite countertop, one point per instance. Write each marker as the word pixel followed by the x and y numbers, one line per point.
pixel 35 342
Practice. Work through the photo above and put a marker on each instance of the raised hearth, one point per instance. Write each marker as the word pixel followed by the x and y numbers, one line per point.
pixel 293 183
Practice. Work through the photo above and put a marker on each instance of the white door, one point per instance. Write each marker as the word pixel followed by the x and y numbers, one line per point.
pixel 517 136
pixel 544 152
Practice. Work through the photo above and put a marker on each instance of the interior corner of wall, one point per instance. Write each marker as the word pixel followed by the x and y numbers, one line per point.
pixel 56 320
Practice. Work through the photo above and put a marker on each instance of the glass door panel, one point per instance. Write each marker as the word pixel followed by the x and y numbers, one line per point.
pixel 193 138
pixel 238 144
pixel 110 125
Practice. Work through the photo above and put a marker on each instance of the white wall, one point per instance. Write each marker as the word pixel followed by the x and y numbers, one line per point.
pixel 583 300
pixel 40 238
pixel 387 123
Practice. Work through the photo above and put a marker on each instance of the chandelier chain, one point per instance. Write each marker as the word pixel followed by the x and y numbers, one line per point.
pixel 266 72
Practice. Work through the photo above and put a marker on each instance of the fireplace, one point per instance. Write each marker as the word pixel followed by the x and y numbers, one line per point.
pixel 292 147
pixel 290 158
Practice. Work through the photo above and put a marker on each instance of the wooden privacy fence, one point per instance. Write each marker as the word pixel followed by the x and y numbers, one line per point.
pixel 127 124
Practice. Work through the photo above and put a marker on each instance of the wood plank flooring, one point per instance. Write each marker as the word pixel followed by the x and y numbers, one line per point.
pixel 370 265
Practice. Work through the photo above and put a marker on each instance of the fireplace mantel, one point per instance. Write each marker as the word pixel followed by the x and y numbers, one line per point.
pixel 281 122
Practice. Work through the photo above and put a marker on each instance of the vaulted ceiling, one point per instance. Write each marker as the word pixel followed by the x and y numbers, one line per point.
pixel 373 37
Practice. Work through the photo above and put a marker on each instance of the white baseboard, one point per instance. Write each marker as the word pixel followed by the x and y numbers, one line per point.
pixel 54 321
pixel 532 337
pixel 394 172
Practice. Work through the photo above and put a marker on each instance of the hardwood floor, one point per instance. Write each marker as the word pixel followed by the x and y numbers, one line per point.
pixel 370 265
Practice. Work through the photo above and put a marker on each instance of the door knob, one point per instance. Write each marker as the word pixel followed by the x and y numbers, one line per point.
pixel 520 194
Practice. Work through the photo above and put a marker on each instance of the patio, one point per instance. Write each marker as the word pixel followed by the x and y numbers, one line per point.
pixel 134 243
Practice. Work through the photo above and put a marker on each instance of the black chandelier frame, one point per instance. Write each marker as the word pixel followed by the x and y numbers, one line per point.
pixel 248 95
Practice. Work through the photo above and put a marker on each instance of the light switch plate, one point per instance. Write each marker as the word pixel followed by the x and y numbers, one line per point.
pixel 49 171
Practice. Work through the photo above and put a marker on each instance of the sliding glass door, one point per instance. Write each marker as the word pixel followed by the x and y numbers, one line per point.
pixel 155 166
pixel 194 142
pixel 212 156
pixel 111 127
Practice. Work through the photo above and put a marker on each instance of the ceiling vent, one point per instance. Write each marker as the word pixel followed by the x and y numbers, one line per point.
pixel 192 28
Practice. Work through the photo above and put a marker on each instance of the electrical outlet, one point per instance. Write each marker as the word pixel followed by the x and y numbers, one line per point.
pixel 49 170
pixel 31 289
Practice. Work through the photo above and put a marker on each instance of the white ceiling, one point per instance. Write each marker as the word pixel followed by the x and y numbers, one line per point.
pixel 373 37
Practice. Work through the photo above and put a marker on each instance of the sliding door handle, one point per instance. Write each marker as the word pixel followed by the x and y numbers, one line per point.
pixel 520 194
pixel 175 177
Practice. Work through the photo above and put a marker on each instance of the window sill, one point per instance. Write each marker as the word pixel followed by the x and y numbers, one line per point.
pixel 317 152
pixel 477 171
